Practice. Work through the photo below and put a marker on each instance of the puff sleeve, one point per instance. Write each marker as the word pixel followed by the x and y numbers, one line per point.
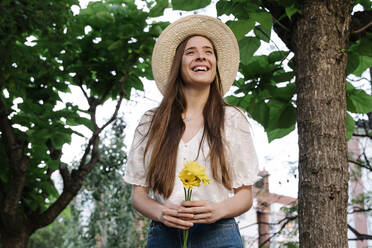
pixel 243 158
pixel 135 170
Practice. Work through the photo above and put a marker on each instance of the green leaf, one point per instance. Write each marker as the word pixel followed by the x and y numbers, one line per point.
pixel 259 112
pixel 279 133
pixel 53 164
pixel 288 117
pixel 241 102
pixel 158 10
pixel 283 76
pixel 59 139
pixel 290 245
pixel 241 27
pixel 78 120
pixel 115 45
pixel 283 93
pixel 277 56
pixel 365 62
pixel 350 125
pixel 358 101
pixel 263 33
pixel 352 62
pixel 264 18
pixel 248 46
pixel 291 10
pixel 364 47
pixel 282 114
pixel 190 4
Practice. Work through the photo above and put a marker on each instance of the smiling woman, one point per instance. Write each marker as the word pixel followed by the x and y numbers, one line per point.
pixel 195 61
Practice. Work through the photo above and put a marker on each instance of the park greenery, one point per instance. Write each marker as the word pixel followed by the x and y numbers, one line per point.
pixel 105 51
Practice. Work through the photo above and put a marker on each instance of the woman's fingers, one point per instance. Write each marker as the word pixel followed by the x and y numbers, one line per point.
pixel 203 216
pixel 196 207
pixel 176 222
pixel 194 210
pixel 203 211
pixel 171 218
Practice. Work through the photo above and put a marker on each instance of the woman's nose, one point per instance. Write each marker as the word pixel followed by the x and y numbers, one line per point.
pixel 200 56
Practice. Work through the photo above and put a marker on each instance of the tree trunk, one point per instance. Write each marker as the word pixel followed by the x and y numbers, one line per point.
pixel 18 240
pixel 320 41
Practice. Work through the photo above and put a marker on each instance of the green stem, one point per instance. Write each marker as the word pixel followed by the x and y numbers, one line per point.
pixel 185 236
pixel 186 232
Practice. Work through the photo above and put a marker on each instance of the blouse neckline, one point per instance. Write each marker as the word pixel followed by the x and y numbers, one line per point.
pixel 193 138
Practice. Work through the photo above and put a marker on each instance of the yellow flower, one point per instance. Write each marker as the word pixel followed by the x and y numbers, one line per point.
pixel 192 175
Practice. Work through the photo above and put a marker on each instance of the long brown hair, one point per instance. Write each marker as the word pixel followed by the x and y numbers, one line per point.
pixel 167 128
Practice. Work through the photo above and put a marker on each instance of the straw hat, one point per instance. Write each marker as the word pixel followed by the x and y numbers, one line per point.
pixel 219 33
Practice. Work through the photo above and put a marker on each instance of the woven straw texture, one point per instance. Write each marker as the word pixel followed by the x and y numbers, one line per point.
pixel 219 33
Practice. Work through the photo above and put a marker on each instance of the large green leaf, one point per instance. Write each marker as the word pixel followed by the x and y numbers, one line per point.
pixel 264 18
pixel 365 62
pixel 283 93
pixel 248 46
pixel 358 101
pixel 277 56
pixel 158 10
pixel 189 4
pixel 282 115
pixel 241 27
pixel 259 112
pixel 279 133
pixel 257 67
pixel 263 33
pixel 241 102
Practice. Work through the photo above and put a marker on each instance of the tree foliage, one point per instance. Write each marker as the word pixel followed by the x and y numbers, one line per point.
pixel 104 51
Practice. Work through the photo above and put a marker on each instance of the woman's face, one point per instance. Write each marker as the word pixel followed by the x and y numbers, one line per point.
pixel 198 62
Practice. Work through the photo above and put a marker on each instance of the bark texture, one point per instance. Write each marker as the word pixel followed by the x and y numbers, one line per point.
pixel 320 40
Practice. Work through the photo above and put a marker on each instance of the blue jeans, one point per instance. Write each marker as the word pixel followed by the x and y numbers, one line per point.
pixel 221 234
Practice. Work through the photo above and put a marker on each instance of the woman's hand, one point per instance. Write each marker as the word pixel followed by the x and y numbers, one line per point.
pixel 203 211
pixel 172 217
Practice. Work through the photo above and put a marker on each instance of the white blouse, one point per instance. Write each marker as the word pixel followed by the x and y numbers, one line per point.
pixel 240 156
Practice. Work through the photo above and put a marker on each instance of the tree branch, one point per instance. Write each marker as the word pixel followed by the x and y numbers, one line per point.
pixel 285 222
pixel 361 22
pixel 362 28
pixel 73 182
pixel 362 135
pixel 357 209
pixel 366 166
pixel 359 236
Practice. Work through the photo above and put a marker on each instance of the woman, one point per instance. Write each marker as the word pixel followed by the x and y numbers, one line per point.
pixel 195 61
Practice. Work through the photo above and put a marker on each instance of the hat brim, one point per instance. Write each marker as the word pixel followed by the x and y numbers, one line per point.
pixel 219 33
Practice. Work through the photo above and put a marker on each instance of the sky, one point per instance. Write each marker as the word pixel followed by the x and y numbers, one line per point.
pixel 279 157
